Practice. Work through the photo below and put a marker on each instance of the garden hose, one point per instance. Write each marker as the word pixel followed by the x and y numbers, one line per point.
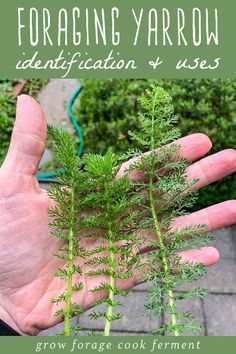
pixel 51 176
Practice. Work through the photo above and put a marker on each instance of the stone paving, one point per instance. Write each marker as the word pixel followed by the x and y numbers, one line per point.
pixel 217 311
pixel 54 98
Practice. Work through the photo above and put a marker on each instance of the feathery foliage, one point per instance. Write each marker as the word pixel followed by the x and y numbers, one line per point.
pixel 114 216
pixel 65 223
pixel 92 205
pixel 112 213
pixel 166 194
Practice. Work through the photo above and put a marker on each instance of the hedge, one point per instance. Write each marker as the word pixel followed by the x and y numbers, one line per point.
pixel 108 110
pixel 8 108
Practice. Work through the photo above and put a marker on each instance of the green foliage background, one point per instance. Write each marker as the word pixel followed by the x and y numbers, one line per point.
pixel 7 114
pixel 8 108
pixel 108 110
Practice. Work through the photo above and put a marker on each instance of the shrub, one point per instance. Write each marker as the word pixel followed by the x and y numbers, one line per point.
pixel 7 114
pixel 108 110
pixel 8 109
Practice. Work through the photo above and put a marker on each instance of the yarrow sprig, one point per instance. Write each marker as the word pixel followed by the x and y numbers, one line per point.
pixel 65 224
pixel 114 218
pixel 92 205
pixel 117 216
pixel 167 194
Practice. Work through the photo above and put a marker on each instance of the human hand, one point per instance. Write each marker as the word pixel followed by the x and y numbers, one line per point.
pixel 27 264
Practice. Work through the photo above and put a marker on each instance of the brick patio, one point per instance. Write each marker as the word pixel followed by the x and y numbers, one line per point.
pixel 217 311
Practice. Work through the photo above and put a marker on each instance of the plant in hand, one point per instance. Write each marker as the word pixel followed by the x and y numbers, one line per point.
pixel 27 291
pixel 166 194
pixel 112 203
pixel 90 184
pixel 113 212
pixel 65 223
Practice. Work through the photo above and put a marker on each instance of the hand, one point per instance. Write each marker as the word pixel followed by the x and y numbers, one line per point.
pixel 27 264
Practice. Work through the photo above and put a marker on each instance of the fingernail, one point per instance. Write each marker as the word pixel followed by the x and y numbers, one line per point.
pixel 22 99
pixel 20 104
pixel 19 100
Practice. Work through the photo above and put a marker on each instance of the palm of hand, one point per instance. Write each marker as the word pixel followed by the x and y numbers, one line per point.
pixel 27 282
pixel 27 275
pixel 27 272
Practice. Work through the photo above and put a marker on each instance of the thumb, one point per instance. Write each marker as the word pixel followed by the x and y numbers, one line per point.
pixel 28 137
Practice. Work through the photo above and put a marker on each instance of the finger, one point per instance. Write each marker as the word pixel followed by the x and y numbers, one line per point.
pixel 28 137
pixel 212 168
pixel 206 255
pixel 192 147
pixel 214 217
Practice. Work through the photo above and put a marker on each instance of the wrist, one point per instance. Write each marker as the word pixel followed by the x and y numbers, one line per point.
pixel 17 320
pixel 5 317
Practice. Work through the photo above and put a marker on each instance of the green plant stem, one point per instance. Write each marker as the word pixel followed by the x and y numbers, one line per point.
pixel 70 268
pixel 164 259
pixel 111 287
pixel 173 317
